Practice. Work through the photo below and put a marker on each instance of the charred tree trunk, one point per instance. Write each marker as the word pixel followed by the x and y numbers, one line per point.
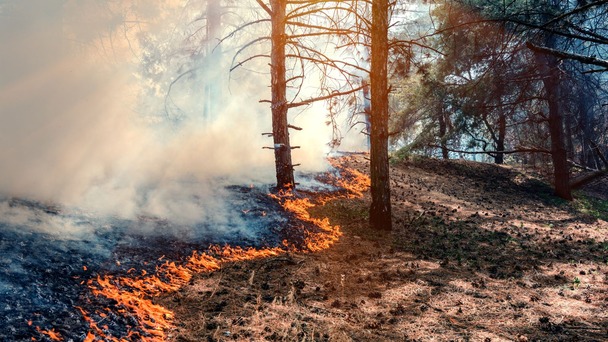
pixel 280 130
pixel 550 71
pixel 380 211
pixel 499 158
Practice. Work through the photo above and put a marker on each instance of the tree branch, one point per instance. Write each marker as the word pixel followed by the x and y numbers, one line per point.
pixel 265 7
pixel 576 10
pixel 567 55
pixel 322 98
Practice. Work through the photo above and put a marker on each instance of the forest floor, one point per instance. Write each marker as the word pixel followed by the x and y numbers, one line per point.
pixel 479 252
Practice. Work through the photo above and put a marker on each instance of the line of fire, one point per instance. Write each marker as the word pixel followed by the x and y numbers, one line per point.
pixel 115 300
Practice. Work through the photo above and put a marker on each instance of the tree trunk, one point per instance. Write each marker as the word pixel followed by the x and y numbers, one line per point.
pixel 213 81
pixel 280 131
pixel 561 173
pixel 499 158
pixel 569 136
pixel 380 211
pixel 443 129
pixel 585 118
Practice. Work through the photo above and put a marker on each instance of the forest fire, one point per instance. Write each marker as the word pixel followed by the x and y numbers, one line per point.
pixel 130 132
pixel 129 298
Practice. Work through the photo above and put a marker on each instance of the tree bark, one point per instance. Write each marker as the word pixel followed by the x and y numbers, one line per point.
pixel 585 119
pixel 380 210
pixel 549 67
pixel 443 129
pixel 280 130
pixel 499 158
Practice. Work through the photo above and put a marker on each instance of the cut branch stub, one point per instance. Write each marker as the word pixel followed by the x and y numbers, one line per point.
pixel 277 147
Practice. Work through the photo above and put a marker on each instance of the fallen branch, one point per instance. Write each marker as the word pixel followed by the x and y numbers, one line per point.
pixel 598 151
pixel 579 166
pixel 588 178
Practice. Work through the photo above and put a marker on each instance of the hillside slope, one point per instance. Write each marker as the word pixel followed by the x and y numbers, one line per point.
pixel 479 252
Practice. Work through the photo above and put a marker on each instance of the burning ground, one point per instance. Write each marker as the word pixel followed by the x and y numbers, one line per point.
pixel 479 252
pixel 73 275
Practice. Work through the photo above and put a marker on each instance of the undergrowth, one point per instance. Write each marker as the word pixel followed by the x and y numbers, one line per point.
pixel 592 206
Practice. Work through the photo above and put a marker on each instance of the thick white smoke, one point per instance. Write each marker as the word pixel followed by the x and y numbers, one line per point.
pixel 78 129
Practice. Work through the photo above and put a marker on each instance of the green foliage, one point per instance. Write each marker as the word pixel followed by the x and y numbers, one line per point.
pixel 458 99
pixel 595 207
pixel 400 155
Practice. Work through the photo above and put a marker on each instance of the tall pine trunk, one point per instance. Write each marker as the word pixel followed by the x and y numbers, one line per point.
pixel 280 130
pixel 380 210
pixel 550 75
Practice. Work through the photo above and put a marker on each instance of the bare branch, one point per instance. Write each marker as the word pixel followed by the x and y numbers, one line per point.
pixel 234 66
pixel 322 98
pixel 265 7
pixel 246 46
pixel 576 10
pixel 567 55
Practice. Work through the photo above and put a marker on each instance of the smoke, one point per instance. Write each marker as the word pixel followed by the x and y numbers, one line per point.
pixel 81 125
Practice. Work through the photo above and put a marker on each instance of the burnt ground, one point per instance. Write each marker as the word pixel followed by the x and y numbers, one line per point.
pixel 479 252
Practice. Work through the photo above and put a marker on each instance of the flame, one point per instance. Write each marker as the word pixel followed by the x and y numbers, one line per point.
pixel 52 334
pixel 354 182
pixel 135 291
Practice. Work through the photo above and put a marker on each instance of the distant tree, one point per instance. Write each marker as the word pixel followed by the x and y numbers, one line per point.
pixel 495 88
pixel 555 31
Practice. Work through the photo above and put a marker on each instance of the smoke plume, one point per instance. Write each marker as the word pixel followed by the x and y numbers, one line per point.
pixel 80 126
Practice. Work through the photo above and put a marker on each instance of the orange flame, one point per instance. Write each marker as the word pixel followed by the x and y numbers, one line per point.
pixel 353 181
pixel 52 334
pixel 134 293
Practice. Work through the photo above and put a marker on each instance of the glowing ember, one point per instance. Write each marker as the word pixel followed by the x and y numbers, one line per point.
pixel 52 334
pixel 133 293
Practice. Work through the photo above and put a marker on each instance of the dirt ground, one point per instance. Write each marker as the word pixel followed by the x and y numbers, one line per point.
pixel 479 252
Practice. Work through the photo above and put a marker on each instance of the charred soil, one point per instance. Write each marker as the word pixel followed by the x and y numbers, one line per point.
pixel 479 252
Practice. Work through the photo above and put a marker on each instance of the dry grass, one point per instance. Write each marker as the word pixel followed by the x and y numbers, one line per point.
pixel 479 253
